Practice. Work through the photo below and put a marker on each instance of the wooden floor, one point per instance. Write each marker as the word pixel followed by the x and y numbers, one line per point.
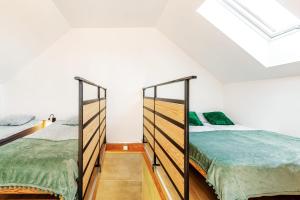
pixel 121 177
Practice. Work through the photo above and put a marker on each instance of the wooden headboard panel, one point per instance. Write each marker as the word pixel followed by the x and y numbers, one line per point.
pixel 92 135
pixel 166 133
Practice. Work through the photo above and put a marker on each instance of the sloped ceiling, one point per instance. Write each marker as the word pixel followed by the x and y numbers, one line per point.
pixel 26 29
pixel 111 13
pixel 29 27
pixel 291 5
pixel 211 48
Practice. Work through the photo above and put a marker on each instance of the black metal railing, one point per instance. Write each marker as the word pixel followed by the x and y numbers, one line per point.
pixel 184 126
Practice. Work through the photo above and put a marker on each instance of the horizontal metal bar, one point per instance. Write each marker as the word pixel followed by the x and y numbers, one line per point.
pixel 170 139
pixel 149 131
pixel 92 171
pixel 149 144
pixel 102 131
pixel 170 158
pixel 151 98
pixel 102 110
pixel 87 144
pixel 102 121
pixel 149 121
pixel 90 101
pixel 87 165
pixel 172 121
pixel 90 120
pixel 173 81
pixel 173 183
pixel 88 82
pixel 179 101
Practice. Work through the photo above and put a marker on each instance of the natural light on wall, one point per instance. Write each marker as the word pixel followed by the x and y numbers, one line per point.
pixel 264 28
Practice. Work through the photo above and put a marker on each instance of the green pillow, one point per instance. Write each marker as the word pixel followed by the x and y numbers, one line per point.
pixel 194 120
pixel 217 118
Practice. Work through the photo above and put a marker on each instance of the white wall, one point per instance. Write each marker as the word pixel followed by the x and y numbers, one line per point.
pixel 269 104
pixel 27 28
pixel 124 61
pixel 1 100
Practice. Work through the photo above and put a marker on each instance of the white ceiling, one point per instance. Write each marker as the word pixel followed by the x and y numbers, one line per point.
pixel 111 13
pixel 29 27
pixel 291 5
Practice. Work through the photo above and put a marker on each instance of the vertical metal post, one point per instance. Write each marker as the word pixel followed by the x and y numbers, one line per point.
pixel 80 141
pixel 105 97
pixel 99 159
pixel 154 127
pixel 143 139
pixel 186 138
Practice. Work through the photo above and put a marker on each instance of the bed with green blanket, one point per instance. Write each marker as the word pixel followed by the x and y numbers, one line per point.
pixel 45 160
pixel 241 164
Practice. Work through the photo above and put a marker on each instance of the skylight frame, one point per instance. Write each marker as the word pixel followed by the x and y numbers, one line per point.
pixel 255 21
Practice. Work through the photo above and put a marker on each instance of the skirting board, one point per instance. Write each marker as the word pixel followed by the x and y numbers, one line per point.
pixel 132 147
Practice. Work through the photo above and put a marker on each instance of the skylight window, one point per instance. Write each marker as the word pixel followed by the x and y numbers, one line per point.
pixel 263 28
pixel 267 16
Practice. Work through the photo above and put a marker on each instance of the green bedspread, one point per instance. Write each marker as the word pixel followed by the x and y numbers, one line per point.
pixel 244 164
pixel 42 164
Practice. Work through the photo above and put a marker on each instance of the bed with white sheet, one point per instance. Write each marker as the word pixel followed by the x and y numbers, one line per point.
pixel 9 133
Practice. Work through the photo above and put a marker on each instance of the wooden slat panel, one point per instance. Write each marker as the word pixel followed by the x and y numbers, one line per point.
pixel 102 104
pixel 102 115
pixel 149 138
pixel 102 126
pixel 149 103
pixel 150 183
pixel 149 115
pixel 149 126
pixel 89 170
pixel 149 152
pixel 173 131
pixel 173 152
pixel 102 139
pixel 89 150
pixel 172 171
pixel 89 110
pixel 90 130
pixel 172 110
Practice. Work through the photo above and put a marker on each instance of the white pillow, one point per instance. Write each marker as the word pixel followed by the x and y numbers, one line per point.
pixel 16 120
pixel 201 117
pixel 72 121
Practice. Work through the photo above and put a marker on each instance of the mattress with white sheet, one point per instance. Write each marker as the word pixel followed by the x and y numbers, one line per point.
pixel 57 131
pixel 7 131
pixel 210 127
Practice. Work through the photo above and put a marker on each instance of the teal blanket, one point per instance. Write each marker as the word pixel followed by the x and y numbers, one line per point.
pixel 245 164
pixel 43 164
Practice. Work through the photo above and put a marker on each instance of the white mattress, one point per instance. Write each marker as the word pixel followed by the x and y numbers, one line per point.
pixel 209 127
pixel 56 131
pixel 7 131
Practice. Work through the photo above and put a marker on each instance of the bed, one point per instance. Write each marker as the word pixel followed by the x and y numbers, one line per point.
pixel 61 160
pixel 242 163
pixel 239 162
pixel 11 133
pixel 33 161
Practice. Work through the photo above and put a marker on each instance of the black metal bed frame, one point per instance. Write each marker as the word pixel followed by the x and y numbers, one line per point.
pixel 185 126
pixel 81 149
